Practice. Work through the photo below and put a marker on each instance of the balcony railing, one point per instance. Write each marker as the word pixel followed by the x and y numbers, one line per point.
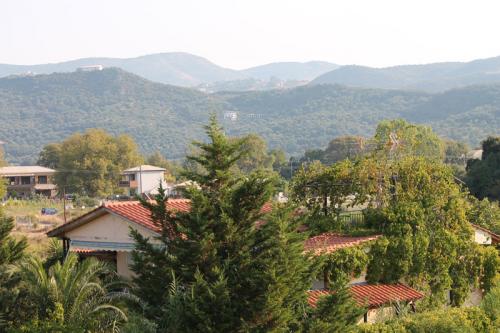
pixel 128 183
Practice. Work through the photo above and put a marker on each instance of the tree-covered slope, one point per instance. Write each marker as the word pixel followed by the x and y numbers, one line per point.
pixel 429 77
pixel 47 108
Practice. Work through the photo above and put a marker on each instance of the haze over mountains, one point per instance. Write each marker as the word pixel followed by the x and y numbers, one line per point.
pixel 47 108
pixel 431 77
pixel 181 69
pixel 187 70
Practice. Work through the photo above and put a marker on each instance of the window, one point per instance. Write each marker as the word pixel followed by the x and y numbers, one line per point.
pixel 12 180
pixel 25 180
pixel 42 179
pixel 131 177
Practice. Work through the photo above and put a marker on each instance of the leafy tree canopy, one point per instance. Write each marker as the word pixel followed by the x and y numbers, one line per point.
pixel 91 163
pixel 483 176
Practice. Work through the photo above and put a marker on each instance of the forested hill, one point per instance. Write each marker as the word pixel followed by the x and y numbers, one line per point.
pixel 47 108
pixel 435 77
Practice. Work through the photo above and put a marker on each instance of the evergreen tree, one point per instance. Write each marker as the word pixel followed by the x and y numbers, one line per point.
pixel 335 313
pixel 219 268
pixel 483 176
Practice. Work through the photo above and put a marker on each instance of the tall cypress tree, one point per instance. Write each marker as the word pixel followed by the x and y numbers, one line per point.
pixel 218 268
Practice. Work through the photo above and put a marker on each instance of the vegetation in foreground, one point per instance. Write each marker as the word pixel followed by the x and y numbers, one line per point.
pixel 226 274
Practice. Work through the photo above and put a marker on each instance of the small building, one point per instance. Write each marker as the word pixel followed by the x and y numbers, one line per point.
pixel 90 68
pixel 27 181
pixel 104 232
pixel 379 299
pixel 484 236
pixel 143 179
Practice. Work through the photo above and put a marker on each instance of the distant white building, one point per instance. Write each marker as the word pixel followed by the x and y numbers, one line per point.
pixel 143 179
pixel 475 154
pixel 231 115
pixel 90 68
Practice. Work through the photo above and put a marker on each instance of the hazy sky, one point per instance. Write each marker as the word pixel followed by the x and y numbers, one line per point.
pixel 239 34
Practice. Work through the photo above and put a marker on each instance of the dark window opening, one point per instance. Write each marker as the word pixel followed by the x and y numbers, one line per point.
pixel 25 180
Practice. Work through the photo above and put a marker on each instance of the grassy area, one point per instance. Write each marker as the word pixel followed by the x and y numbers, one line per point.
pixel 30 223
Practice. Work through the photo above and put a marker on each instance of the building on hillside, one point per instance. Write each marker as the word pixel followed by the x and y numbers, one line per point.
pixel 143 179
pixel 90 68
pixel 27 181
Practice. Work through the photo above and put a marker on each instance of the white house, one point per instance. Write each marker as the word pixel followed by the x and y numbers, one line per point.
pixel 105 231
pixel 143 179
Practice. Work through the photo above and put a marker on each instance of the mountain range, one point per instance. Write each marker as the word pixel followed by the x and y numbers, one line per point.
pixel 181 69
pixel 187 70
pixel 431 77
pixel 36 110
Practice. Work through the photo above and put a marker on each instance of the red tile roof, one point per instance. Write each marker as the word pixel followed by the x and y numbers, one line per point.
pixel 372 295
pixel 330 242
pixel 133 211
pixel 136 212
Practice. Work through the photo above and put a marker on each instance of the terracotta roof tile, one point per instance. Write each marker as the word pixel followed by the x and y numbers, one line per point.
pixel 372 295
pixel 330 242
pixel 380 294
pixel 136 212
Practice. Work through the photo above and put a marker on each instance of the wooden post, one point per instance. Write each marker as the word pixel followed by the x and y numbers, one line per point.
pixel 64 203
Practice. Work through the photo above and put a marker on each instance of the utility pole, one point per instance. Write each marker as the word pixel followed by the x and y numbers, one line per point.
pixel 64 203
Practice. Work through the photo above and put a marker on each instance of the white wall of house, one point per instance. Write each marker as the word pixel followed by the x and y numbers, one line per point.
pixel 123 262
pixel 150 180
pixel 113 229
pixel 107 228
pixel 482 237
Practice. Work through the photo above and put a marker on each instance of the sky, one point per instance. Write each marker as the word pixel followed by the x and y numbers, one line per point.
pixel 239 34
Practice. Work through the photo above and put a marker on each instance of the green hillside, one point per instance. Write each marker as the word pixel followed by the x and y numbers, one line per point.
pixel 46 108
pixel 435 77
